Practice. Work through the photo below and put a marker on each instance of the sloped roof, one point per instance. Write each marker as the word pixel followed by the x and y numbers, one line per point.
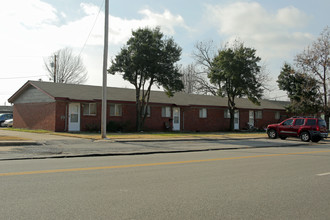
pixel 88 93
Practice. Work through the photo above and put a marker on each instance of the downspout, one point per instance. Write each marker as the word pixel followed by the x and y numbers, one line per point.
pixel 66 117
pixel 182 119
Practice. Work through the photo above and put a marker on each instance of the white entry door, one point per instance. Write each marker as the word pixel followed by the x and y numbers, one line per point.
pixel 236 120
pixel 251 118
pixel 176 119
pixel 74 117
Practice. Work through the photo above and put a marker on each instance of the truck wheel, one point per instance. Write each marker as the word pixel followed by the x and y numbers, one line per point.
pixel 305 137
pixel 272 134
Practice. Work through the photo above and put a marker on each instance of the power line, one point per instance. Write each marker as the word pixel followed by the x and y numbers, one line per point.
pixel 101 6
pixel 22 77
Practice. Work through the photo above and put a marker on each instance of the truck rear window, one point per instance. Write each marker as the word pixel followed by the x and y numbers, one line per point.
pixel 322 123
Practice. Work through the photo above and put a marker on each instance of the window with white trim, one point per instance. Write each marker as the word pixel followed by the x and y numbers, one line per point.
pixel 203 113
pixel 89 109
pixel 258 114
pixel 166 112
pixel 226 113
pixel 146 108
pixel 277 115
pixel 115 110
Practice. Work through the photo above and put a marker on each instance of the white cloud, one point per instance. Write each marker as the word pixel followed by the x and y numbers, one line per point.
pixel 274 35
pixel 90 9
pixel 34 30
pixel 120 29
pixel 28 13
pixel 35 26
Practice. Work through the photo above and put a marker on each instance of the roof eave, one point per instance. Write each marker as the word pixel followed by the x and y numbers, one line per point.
pixel 23 88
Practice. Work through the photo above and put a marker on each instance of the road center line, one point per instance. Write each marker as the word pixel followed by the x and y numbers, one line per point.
pixel 151 164
pixel 323 174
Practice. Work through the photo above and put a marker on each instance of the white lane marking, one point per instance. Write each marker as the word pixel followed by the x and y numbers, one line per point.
pixel 322 174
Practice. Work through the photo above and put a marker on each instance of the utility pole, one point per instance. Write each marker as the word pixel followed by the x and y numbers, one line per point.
pixel 54 68
pixel 105 60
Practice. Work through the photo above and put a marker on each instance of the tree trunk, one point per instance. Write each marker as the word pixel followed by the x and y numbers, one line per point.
pixel 232 119
pixel 326 108
pixel 231 106
pixel 138 111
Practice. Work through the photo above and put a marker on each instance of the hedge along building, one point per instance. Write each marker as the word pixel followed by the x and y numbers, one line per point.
pixel 67 107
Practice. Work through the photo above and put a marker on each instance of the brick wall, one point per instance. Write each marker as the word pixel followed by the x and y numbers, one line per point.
pixel 53 117
pixel 35 116
pixel 156 122
pixel 61 116
pixel 268 117
pixel 127 120
pixel 215 121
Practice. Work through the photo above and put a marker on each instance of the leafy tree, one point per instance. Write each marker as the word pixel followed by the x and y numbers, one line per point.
pixel 315 61
pixel 65 67
pixel 234 71
pixel 302 90
pixel 148 59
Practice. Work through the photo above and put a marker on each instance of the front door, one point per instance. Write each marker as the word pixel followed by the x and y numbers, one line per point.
pixel 74 117
pixel 176 119
pixel 251 118
pixel 286 128
pixel 236 120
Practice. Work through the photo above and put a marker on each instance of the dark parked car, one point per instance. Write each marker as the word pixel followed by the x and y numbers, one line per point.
pixel 4 117
pixel 306 128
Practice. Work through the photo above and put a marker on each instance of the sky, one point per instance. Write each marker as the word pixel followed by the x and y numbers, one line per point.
pixel 32 30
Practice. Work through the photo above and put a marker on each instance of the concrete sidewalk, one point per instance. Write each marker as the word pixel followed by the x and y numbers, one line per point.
pixel 16 145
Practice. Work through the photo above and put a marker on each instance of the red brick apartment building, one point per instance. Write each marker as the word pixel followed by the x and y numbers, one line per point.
pixel 67 107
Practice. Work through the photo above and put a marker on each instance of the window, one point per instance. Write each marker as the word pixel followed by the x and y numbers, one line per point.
pixel 288 122
pixel 166 112
pixel 203 113
pixel 146 108
pixel 90 109
pixel 115 110
pixel 311 122
pixel 299 122
pixel 322 123
pixel 227 113
pixel 277 115
pixel 258 114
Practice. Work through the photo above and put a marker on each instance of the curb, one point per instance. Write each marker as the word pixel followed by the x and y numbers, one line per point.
pixel 181 139
pixel 18 143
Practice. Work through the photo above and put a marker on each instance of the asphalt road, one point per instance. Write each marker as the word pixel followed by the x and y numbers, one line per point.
pixel 261 183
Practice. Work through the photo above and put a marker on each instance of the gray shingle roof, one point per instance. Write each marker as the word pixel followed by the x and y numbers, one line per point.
pixel 88 93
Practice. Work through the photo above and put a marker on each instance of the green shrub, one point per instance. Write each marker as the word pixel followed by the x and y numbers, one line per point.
pixel 92 128
pixel 114 126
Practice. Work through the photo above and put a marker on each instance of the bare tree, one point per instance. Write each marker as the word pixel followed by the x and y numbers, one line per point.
pixel 204 54
pixel 189 79
pixel 315 60
pixel 65 67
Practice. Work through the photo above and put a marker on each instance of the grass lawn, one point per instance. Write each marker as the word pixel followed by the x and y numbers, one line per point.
pixel 149 135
